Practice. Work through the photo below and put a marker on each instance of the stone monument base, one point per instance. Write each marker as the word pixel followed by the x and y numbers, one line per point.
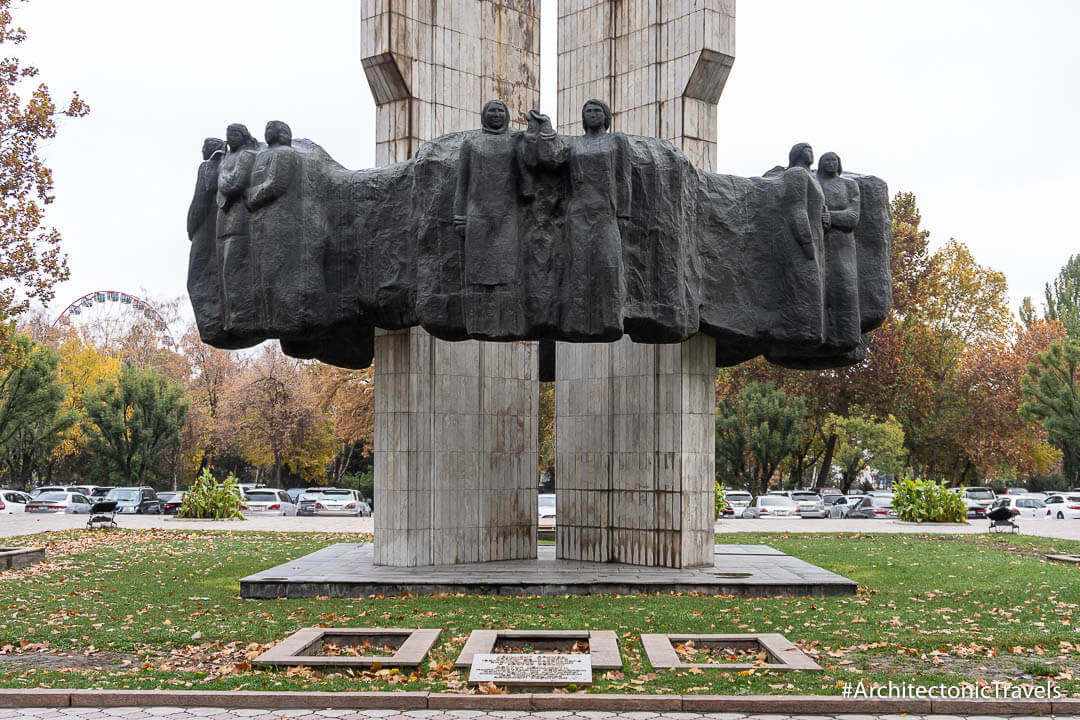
pixel 348 570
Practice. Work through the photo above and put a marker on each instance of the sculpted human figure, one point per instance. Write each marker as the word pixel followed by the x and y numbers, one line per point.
pixel 234 176
pixel 796 301
pixel 598 163
pixel 843 329
pixel 485 215
pixel 203 281
pixel 274 203
pixel 801 157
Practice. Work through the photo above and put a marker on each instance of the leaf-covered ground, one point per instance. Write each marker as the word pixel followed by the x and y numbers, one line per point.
pixel 161 609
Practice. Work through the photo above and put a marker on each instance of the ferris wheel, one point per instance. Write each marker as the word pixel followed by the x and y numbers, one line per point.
pixel 105 317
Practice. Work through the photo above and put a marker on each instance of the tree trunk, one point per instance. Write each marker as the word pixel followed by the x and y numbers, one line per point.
pixel 797 467
pixel 826 462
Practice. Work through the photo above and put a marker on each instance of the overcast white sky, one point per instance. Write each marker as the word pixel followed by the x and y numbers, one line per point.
pixel 974 107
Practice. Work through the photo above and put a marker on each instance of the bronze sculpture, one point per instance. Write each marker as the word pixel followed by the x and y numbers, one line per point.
pixel 503 234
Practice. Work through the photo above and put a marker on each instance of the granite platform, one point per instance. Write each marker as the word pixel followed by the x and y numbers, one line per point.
pixel 348 570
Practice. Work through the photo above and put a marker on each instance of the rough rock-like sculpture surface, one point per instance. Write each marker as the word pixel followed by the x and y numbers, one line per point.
pixel 502 234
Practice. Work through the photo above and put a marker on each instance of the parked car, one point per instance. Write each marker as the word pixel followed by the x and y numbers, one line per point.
pixel 980 495
pixel 244 487
pixel 54 489
pixel 830 491
pixel 840 507
pixel 1021 505
pixel 99 492
pixel 295 493
pixel 305 504
pixel 1063 507
pixel 737 500
pixel 770 506
pixel 545 508
pixel 268 501
pixel 69 503
pixel 13 501
pixel 872 507
pixel 171 501
pixel 135 500
pixel 340 501
pixel 1016 491
pixel 810 504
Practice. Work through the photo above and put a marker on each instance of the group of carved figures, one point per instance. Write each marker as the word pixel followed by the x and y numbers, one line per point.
pixel 504 234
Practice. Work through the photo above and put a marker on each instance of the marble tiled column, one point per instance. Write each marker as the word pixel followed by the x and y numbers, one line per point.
pixel 455 423
pixel 634 442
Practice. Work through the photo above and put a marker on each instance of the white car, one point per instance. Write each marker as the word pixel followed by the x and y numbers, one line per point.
pixel 68 503
pixel 771 506
pixel 840 507
pixel 1021 505
pixel 268 501
pixel 545 507
pixel 737 501
pixel 13 501
pixel 810 504
pixel 340 501
pixel 1063 507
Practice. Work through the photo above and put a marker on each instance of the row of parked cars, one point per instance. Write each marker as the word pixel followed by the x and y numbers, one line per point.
pixel 829 503
pixel 79 499
pixel 255 500
pixel 832 503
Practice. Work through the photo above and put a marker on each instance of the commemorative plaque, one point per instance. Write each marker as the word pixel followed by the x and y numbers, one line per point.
pixel 531 669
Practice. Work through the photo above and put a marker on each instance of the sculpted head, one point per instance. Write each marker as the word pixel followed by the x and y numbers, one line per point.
pixel 495 116
pixel 829 164
pixel 278 133
pixel 211 146
pixel 596 116
pixel 801 155
pixel 238 137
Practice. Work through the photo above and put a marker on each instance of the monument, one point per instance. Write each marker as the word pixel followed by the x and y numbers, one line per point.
pixel 447 268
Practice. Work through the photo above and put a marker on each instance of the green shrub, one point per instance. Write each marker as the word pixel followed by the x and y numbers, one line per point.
pixel 721 499
pixel 927 501
pixel 209 499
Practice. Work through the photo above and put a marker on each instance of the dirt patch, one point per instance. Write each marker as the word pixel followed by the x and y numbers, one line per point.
pixel 98 660
pixel 540 646
pixel 719 653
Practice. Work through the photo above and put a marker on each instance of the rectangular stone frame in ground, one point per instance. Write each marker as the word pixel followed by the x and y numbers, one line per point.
pixel 298 648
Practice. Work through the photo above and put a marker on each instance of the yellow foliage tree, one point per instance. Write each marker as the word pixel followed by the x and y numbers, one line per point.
pixel 81 367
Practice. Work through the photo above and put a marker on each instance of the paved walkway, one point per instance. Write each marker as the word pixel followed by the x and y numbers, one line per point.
pixel 27 524
pixel 176 713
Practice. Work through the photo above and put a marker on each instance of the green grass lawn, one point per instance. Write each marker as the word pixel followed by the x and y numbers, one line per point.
pixel 161 609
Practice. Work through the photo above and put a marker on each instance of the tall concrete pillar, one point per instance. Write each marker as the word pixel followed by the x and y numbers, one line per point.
pixel 455 423
pixel 634 422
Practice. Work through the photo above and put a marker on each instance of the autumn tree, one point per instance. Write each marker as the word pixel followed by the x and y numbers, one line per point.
pixel 31 260
pixel 206 435
pixel 349 398
pixel 755 432
pixel 276 421
pixel 32 417
pixel 865 442
pixel 132 422
pixel 545 431
pixel 81 367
